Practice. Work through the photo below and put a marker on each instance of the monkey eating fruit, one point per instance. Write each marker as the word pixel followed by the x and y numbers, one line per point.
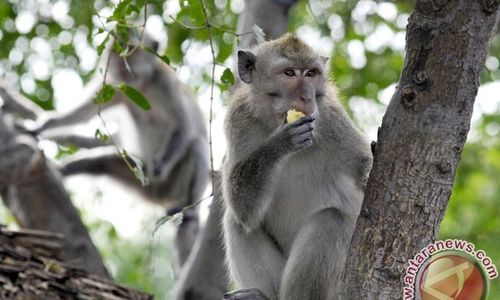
pixel 292 189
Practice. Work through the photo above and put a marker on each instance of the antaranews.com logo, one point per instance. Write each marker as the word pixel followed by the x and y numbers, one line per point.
pixel 449 270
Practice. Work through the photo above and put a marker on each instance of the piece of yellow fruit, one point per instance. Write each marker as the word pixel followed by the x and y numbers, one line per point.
pixel 293 115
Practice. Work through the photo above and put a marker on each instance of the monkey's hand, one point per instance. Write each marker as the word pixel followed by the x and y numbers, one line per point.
pixel 295 136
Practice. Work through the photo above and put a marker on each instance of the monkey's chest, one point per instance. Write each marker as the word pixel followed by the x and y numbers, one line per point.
pixel 302 190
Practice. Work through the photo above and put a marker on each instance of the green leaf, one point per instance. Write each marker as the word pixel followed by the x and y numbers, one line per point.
pixel 160 223
pixel 132 8
pixel 136 96
pixel 65 150
pixel 137 169
pixel 117 47
pixel 102 45
pixel 123 34
pixel 105 94
pixel 101 136
pixel 227 77
pixel 176 219
pixel 140 3
pixel 121 10
pixel 193 10
pixel 164 58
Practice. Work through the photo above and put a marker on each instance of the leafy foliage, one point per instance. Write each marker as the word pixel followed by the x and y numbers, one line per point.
pixel 135 96
pixel 105 94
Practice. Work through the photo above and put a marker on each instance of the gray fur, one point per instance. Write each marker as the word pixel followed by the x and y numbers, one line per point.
pixel 292 191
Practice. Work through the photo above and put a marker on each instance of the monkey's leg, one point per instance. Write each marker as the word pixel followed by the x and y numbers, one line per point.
pixel 317 257
pixel 185 185
pixel 203 276
pixel 185 236
pixel 254 261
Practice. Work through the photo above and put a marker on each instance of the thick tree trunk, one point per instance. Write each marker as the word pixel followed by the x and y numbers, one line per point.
pixel 34 193
pixel 419 144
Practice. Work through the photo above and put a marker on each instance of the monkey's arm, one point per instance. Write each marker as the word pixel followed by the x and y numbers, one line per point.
pixel 249 181
pixel 81 114
pixel 355 150
pixel 84 112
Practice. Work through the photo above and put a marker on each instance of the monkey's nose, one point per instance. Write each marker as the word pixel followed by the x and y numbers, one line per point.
pixel 305 106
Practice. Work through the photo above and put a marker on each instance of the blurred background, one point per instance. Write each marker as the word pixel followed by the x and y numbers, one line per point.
pixel 48 51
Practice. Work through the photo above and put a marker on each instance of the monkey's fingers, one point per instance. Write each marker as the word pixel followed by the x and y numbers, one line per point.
pixel 303 140
pixel 303 120
pixel 300 128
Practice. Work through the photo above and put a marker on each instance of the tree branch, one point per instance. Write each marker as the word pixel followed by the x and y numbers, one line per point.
pixel 33 192
pixel 419 144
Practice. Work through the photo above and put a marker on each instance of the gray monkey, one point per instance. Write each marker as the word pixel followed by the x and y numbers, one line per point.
pixel 292 190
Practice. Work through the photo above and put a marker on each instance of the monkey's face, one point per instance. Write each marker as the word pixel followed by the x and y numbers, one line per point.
pixel 131 64
pixel 284 74
pixel 137 69
pixel 291 86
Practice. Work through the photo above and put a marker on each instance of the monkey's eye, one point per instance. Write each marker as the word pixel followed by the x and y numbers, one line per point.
pixel 311 73
pixel 289 72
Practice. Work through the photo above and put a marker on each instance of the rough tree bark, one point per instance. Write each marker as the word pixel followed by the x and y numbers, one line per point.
pixel 34 193
pixel 419 143
pixel 31 268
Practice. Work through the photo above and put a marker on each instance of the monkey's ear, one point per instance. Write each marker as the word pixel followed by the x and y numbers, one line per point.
pixel 246 65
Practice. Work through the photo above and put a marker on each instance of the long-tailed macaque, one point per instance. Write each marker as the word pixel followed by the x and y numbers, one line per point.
pixel 292 190
pixel 172 142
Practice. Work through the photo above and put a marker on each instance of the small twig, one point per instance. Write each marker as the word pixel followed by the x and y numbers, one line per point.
pixel 123 154
pixel 196 203
pixel 230 32
pixel 210 120
pixel 186 26
pixel 208 24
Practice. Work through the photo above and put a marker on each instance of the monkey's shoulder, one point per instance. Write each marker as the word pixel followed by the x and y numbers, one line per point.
pixel 240 104
pixel 240 115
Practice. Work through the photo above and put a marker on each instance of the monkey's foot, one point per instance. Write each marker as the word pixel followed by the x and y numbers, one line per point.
pixel 246 294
